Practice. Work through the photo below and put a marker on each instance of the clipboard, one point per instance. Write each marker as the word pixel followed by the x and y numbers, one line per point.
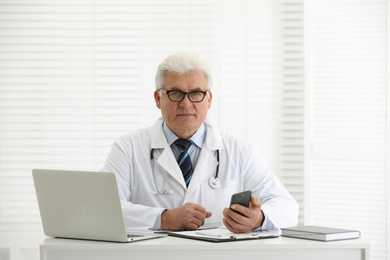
pixel 223 235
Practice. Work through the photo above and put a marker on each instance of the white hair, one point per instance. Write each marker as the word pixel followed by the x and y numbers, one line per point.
pixel 181 63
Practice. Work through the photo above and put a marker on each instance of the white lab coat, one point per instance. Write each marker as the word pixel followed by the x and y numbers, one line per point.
pixel 241 168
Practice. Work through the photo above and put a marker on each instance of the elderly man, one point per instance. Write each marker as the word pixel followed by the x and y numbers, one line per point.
pixel 180 173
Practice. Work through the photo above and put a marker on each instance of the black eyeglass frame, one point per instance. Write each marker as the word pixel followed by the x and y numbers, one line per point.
pixel 204 93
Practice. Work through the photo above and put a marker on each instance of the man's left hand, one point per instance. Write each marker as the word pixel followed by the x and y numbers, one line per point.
pixel 251 217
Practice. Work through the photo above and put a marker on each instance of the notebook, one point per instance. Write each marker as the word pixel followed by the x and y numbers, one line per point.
pixel 82 205
pixel 320 233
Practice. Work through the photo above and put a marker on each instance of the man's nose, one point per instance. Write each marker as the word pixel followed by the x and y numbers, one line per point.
pixel 186 102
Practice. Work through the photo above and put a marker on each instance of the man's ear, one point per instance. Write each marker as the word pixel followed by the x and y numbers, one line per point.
pixel 210 98
pixel 157 98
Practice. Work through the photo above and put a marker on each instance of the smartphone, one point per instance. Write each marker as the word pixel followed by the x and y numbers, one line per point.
pixel 241 198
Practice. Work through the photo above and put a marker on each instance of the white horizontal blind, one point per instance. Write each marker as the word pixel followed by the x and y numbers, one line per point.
pixel 348 118
pixel 75 75
pixel 261 80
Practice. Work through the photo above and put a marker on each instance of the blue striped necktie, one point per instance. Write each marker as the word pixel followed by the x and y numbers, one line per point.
pixel 184 159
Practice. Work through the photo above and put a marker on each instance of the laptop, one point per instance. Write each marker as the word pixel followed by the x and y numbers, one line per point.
pixel 82 205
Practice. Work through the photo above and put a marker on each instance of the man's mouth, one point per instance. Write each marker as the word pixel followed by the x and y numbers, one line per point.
pixel 185 114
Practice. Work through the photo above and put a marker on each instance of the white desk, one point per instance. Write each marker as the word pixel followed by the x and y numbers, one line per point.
pixel 173 248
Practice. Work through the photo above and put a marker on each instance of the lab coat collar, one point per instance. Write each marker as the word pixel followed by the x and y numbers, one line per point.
pixel 158 140
pixel 207 161
pixel 198 138
pixel 213 136
pixel 213 140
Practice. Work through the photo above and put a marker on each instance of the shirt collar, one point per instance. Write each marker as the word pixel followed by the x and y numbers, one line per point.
pixel 198 138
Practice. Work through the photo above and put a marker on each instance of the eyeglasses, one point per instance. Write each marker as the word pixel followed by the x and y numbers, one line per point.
pixel 178 96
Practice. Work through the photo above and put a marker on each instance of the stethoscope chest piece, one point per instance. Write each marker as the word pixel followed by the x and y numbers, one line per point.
pixel 215 183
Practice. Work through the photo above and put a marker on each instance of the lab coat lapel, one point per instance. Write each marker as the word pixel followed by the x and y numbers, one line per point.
pixel 165 157
pixel 205 167
pixel 168 163
pixel 207 161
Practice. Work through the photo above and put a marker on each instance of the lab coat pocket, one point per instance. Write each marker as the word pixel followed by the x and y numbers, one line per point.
pixel 215 200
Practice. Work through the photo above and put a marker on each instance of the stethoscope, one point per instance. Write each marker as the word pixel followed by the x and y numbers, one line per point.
pixel 214 181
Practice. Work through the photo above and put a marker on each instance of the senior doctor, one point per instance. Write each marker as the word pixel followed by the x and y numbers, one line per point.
pixel 162 185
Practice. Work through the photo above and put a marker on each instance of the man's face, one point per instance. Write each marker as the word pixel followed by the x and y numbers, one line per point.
pixel 185 117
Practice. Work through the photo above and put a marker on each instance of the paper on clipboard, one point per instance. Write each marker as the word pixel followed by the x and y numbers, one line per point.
pixel 224 235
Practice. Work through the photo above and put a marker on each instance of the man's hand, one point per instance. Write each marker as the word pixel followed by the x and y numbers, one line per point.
pixel 190 216
pixel 251 217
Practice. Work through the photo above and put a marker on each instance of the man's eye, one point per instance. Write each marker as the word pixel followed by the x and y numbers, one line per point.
pixel 176 93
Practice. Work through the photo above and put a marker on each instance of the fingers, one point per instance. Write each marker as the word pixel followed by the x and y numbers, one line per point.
pixel 255 202
pixel 194 216
pixel 236 222
pixel 190 216
pixel 251 217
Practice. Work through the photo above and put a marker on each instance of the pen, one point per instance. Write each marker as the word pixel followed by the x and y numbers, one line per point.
pixel 245 236
pixel 208 234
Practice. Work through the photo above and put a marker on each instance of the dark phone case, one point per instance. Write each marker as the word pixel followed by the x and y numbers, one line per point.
pixel 241 198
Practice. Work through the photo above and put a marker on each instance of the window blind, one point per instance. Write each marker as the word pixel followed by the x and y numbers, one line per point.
pixel 76 75
pixel 348 135
pixel 261 82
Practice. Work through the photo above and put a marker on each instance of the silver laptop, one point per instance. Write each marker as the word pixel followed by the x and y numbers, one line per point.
pixel 82 205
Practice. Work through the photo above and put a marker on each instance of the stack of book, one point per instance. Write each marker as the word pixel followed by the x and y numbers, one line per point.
pixel 320 233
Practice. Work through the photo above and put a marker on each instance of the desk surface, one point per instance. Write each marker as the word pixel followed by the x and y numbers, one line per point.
pixel 169 242
pixel 175 248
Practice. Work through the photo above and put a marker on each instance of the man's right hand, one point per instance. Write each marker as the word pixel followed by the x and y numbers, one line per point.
pixel 190 216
